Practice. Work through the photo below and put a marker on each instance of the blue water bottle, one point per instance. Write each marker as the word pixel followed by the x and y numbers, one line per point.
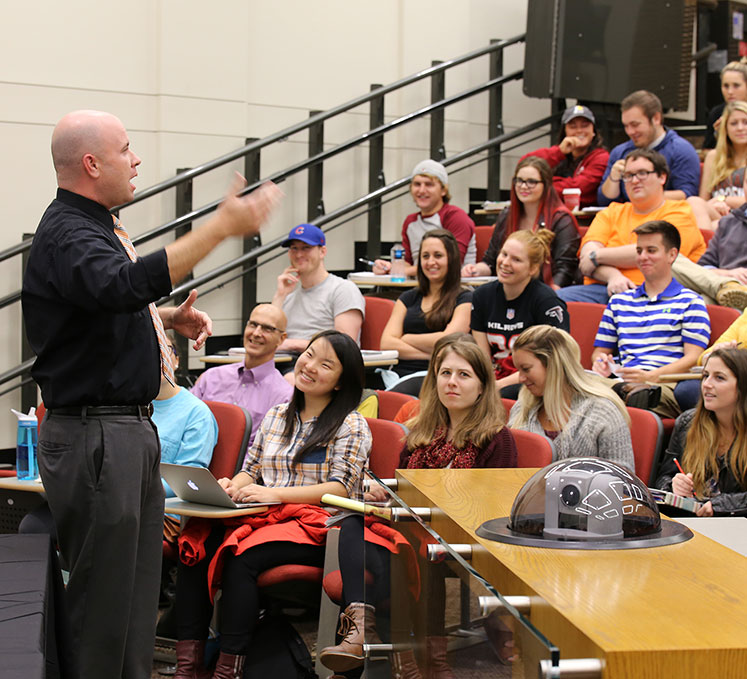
pixel 27 468
pixel 397 270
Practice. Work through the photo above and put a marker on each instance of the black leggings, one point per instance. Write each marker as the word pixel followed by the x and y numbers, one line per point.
pixel 239 606
pixel 355 560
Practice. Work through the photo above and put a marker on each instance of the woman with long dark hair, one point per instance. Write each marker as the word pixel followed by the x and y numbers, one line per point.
pixel 578 160
pixel 439 305
pixel 710 441
pixel 535 205
pixel 315 444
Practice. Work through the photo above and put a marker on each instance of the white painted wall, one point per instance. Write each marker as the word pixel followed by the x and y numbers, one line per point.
pixel 190 80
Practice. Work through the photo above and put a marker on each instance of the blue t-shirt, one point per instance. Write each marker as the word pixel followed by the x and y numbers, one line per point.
pixel 187 430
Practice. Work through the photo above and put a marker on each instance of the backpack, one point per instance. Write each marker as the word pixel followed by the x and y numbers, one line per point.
pixel 277 650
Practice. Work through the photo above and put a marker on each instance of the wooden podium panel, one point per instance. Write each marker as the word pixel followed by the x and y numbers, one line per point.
pixel 675 611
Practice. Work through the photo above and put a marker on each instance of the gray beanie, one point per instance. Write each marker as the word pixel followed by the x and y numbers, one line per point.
pixel 432 168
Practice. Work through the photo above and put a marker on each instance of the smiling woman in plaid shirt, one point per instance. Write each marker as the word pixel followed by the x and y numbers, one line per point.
pixel 313 445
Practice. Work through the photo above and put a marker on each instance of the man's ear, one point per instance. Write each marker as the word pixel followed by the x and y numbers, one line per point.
pixel 91 165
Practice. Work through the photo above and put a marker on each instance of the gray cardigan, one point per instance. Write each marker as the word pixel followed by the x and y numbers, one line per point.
pixel 596 429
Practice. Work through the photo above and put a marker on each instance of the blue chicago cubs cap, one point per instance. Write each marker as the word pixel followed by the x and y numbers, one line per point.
pixel 307 233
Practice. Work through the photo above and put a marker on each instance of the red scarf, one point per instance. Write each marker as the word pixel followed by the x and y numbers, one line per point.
pixel 441 453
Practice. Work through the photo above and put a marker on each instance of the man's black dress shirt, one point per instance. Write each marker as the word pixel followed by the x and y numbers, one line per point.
pixel 85 305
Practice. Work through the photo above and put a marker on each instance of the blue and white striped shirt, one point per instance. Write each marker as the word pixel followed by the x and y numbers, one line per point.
pixel 649 332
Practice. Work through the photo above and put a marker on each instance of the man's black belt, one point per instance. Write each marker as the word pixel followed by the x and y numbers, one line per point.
pixel 103 411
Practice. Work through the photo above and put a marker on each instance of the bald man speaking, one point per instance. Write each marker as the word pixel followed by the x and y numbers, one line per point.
pixel 98 338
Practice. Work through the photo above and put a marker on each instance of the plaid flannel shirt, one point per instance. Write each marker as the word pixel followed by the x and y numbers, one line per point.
pixel 342 459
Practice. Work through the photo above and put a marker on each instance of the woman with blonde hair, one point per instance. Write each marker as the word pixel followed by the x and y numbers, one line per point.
pixel 561 400
pixel 501 310
pixel 733 88
pixel 710 442
pixel 722 182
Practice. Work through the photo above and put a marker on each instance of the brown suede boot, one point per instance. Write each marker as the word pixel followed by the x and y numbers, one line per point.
pixel 190 660
pixel 229 666
pixel 357 622
pixel 404 666
pixel 435 658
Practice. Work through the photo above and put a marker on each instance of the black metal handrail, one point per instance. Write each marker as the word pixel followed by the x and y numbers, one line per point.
pixel 321 117
pixel 254 254
pixel 282 175
pixel 313 164
pixel 241 152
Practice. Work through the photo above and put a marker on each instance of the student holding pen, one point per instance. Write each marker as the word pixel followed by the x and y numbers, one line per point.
pixel 709 443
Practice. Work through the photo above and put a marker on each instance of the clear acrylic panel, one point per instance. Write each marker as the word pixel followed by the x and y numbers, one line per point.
pixel 432 607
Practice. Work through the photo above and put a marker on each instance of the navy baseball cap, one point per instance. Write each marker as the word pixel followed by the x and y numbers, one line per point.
pixel 307 233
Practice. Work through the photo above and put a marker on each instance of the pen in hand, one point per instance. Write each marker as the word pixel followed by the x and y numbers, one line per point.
pixel 365 261
pixel 682 471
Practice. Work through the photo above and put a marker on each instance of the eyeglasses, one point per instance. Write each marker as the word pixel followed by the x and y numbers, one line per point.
pixel 641 175
pixel 266 329
pixel 529 183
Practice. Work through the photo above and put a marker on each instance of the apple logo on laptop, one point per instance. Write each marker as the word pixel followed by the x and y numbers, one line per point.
pixel 193 485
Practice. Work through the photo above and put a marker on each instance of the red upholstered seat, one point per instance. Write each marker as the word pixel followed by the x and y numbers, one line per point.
pixel 282 574
pixel 482 240
pixel 234 429
pixel 646 433
pixel 585 317
pixel 721 318
pixel 534 450
pixel 378 311
pixel 390 402
pixel 333 585
pixel 508 403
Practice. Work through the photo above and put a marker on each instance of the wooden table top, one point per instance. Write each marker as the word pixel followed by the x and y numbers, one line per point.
pixel 367 279
pixel 673 611
pixel 13 483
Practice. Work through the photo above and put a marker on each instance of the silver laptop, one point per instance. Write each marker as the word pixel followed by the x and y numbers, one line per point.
pixel 197 484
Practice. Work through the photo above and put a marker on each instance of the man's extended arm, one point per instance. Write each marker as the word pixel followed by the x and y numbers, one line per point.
pixel 236 216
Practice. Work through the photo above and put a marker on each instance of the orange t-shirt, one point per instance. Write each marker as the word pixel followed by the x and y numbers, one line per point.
pixel 614 226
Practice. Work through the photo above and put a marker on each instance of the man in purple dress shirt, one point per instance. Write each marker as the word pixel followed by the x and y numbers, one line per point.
pixel 255 384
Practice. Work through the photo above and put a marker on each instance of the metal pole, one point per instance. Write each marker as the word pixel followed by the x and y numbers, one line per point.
pixel 249 280
pixel 315 206
pixel 29 393
pixel 495 125
pixel 375 176
pixel 183 207
pixel 438 92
